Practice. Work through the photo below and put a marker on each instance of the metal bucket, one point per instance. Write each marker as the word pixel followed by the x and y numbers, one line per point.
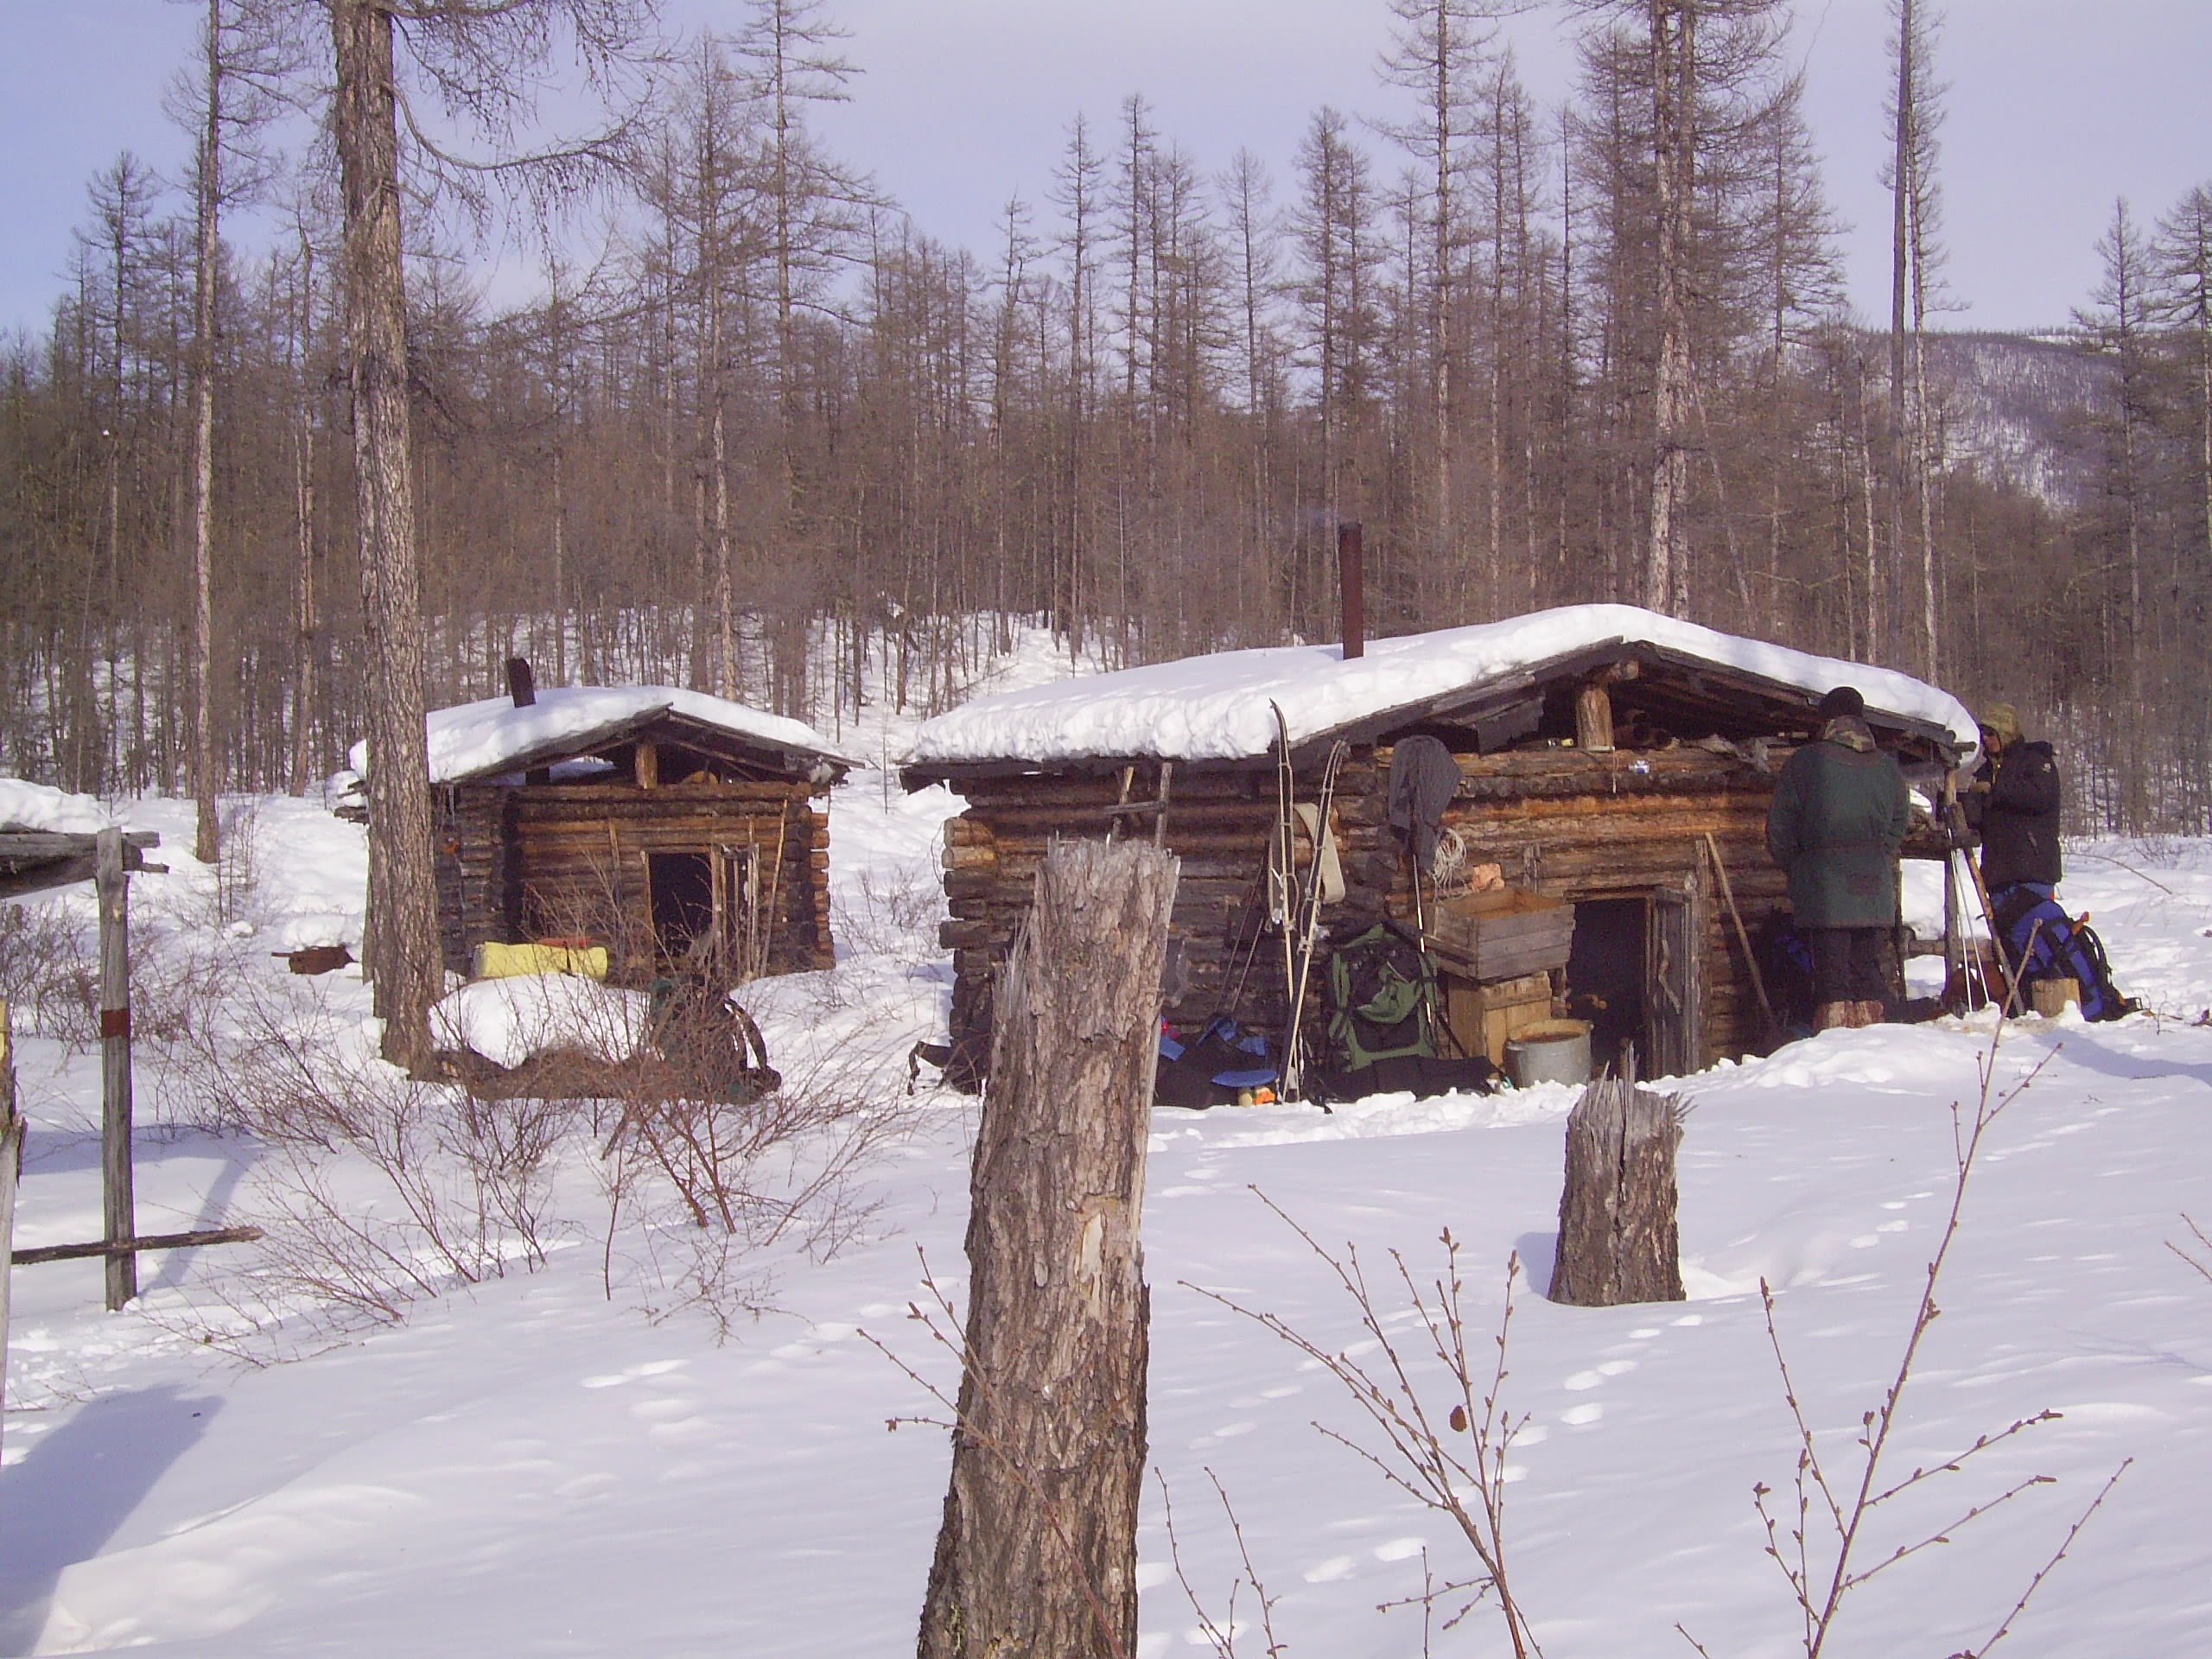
pixel 1551 1050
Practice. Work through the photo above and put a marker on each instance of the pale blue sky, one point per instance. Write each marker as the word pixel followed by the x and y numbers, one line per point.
pixel 2055 106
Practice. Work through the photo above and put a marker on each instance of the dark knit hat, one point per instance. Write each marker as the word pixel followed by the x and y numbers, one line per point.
pixel 1844 700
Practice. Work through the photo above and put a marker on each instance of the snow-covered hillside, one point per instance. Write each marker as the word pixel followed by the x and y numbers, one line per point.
pixel 567 1459
pixel 2013 407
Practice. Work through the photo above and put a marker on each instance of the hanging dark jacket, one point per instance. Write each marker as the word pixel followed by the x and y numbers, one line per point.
pixel 1840 813
pixel 1423 779
pixel 2018 816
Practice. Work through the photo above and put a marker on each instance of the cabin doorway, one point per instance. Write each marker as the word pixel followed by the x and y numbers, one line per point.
pixel 1606 967
pixel 708 910
pixel 682 889
pixel 1631 972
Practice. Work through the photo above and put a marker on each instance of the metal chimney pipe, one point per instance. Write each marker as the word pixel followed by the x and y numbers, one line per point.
pixel 521 686
pixel 1351 584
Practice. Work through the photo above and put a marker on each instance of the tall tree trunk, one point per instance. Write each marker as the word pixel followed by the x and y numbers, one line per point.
pixel 401 946
pixel 1900 268
pixel 1672 48
pixel 208 190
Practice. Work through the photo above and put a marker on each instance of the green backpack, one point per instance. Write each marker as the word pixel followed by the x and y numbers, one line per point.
pixel 1380 992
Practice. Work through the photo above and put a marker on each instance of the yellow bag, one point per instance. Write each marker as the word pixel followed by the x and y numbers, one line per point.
pixel 496 960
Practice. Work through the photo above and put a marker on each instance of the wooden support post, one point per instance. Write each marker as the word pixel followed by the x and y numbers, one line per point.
pixel 1038 1550
pixel 1616 1235
pixel 119 1210
pixel 12 1163
pixel 1955 934
pixel 648 764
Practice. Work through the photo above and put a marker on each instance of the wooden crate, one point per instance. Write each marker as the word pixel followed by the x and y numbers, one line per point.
pixel 1492 936
pixel 1483 1018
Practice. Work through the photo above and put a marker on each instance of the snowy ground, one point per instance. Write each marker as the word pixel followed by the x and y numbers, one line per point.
pixel 539 1465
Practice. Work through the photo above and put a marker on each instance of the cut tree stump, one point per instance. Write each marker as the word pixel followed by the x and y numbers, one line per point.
pixel 1038 1551
pixel 1616 1235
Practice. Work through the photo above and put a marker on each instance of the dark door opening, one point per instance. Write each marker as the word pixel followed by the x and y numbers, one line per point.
pixel 682 886
pixel 1606 973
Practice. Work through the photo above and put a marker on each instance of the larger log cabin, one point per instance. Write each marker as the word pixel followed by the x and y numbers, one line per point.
pixel 673 828
pixel 1607 757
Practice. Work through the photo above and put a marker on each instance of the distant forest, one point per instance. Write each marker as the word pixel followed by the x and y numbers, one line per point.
pixel 781 443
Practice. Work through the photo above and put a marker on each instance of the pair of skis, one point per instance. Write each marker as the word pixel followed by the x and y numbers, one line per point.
pixel 1297 907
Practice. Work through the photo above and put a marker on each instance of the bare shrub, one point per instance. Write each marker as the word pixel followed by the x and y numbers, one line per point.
pixel 2202 1263
pixel 48 973
pixel 728 1182
pixel 380 1189
pixel 893 912
pixel 1221 1634
pixel 1449 1458
pixel 238 857
pixel 1823 1537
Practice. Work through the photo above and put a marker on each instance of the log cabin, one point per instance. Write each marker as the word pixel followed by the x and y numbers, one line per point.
pixel 670 827
pixel 1611 761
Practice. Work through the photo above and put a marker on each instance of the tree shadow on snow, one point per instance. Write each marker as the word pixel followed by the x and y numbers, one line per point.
pixel 1539 1253
pixel 76 1486
pixel 2077 1049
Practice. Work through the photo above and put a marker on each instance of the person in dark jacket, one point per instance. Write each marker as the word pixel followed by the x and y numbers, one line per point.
pixel 2012 804
pixel 1840 813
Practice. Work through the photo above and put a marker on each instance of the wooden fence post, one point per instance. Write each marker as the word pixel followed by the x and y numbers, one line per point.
pixel 1038 1550
pixel 113 883
pixel 1616 1235
pixel 12 1158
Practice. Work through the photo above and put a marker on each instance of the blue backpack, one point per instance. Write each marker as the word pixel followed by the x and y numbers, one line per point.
pixel 2041 942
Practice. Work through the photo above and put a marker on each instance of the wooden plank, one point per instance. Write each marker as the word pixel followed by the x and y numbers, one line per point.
pixel 119 1210
pixel 109 1246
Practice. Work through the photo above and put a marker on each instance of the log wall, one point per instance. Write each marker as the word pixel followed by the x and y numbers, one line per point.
pixel 516 862
pixel 1572 825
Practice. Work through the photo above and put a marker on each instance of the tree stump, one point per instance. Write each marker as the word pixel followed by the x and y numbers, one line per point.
pixel 1038 1551
pixel 1617 1236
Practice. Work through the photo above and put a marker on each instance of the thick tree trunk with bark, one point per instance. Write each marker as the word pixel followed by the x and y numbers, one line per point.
pixel 1616 1235
pixel 401 950
pixel 1038 1552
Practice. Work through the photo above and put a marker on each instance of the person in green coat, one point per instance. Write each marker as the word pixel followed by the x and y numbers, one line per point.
pixel 1840 814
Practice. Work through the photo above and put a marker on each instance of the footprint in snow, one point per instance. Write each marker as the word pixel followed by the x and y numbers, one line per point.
pixel 650 1368
pixel 1576 1416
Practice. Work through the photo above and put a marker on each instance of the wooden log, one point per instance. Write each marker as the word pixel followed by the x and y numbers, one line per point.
pixel 44 1253
pixel 1617 1234
pixel 11 1164
pixel 118 1206
pixel 1593 718
pixel 2048 997
pixel 1038 1551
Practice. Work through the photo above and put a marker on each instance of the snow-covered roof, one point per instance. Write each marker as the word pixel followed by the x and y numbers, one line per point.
pixel 1217 706
pixel 486 738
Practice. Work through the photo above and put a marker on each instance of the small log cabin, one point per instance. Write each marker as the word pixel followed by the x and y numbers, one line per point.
pixel 1607 755
pixel 670 826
